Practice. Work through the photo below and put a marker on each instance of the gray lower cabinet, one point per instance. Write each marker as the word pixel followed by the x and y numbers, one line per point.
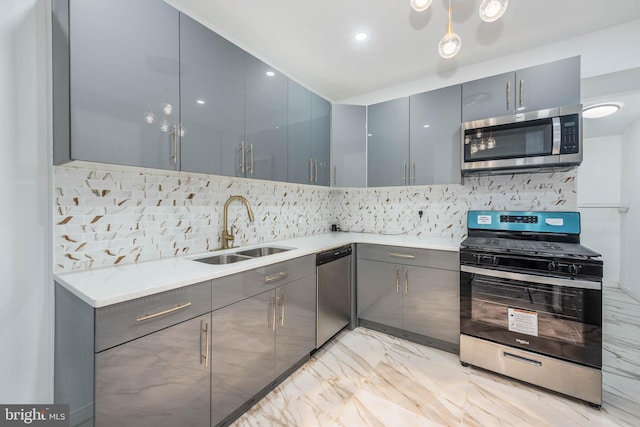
pixel 349 145
pixel 550 85
pixel 413 290
pixel 117 90
pixel 162 379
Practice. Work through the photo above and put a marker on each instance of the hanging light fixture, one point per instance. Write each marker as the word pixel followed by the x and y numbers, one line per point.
pixel 420 5
pixel 450 44
pixel 492 10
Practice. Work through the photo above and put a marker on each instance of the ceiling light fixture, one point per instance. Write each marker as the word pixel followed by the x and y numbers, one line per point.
pixel 361 36
pixel 420 5
pixel 449 46
pixel 492 10
pixel 599 111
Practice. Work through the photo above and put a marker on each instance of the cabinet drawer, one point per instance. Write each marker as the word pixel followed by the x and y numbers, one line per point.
pixel 119 323
pixel 231 289
pixel 446 260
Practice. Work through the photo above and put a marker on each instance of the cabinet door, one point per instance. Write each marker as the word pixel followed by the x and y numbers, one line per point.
pixel 431 302
pixel 320 139
pixel 435 137
pixel 265 121
pixel 493 96
pixel 349 145
pixel 388 143
pixel 124 82
pixel 295 322
pixel 379 292
pixel 551 85
pixel 242 352
pixel 299 134
pixel 211 101
pixel 162 379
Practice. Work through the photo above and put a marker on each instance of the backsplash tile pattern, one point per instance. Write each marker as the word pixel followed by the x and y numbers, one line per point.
pixel 395 209
pixel 106 215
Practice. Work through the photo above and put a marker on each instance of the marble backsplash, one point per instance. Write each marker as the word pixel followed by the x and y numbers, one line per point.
pixel 106 215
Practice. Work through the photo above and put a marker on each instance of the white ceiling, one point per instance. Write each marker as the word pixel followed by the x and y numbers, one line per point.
pixel 312 41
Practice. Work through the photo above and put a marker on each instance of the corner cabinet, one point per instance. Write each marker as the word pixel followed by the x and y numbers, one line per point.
pixel 412 293
pixel 550 85
pixel 122 102
pixel 212 102
pixel 349 145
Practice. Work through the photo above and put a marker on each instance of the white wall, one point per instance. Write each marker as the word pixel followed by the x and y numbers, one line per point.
pixel 26 356
pixel 599 184
pixel 630 279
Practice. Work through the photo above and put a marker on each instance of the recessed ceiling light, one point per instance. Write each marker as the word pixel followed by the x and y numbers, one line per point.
pixel 270 73
pixel 361 36
pixel 200 101
pixel 599 111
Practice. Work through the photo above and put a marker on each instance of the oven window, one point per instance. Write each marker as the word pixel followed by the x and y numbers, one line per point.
pixel 509 141
pixel 549 311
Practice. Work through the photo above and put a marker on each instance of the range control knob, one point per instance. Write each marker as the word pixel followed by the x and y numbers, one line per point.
pixel 574 269
pixel 552 266
pixel 495 260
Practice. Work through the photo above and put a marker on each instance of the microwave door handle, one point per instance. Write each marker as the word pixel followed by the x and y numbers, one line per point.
pixel 557 135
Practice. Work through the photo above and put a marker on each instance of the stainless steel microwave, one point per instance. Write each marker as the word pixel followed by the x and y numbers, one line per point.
pixel 545 139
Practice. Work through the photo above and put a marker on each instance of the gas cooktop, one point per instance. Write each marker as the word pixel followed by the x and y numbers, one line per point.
pixel 529 247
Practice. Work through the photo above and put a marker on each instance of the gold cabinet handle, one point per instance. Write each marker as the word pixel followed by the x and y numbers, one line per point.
pixel 273 303
pixel 162 313
pixel 406 282
pixel 250 160
pixel 397 280
pixel 404 173
pixel 521 93
pixel 205 357
pixel 276 277
pixel 242 153
pixel 310 171
pixel 335 179
pixel 315 178
pixel 281 309
pixel 174 134
pixel 508 95
pixel 403 256
pixel 413 173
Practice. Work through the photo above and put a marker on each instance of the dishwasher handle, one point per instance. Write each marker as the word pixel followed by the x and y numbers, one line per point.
pixel 332 255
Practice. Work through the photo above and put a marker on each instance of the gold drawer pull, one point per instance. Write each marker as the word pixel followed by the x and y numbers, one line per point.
pixel 404 256
pixel 162 313
pixel 276 277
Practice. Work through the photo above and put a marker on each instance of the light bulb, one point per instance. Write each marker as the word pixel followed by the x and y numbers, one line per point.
pixel 420 5
pixel 492 10
pixel 450 45
pixel 167 108
pixel 164 126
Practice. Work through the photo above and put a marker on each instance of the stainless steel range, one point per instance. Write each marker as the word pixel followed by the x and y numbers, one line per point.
pixel 531 301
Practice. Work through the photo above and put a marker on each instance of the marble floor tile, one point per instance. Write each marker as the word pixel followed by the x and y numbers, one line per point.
pixel 367 378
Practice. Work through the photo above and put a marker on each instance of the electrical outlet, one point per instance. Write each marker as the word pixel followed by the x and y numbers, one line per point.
pixel 420 214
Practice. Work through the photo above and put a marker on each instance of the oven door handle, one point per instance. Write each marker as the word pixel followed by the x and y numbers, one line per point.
pixel 543 280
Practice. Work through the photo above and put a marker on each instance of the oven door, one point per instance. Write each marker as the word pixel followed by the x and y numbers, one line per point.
pixel 551 316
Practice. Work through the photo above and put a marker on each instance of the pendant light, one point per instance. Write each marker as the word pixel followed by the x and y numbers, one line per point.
pixel 492 10
pixel 450 44
pixel 420 5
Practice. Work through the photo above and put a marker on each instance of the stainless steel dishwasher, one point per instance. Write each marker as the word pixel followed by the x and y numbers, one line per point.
pixel 333 292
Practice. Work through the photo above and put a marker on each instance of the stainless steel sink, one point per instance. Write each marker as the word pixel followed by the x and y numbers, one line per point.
pixel 224 259
pixel 262 251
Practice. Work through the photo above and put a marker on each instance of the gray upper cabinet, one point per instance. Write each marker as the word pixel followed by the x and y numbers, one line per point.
pixel 299 134
pixel 434 140
pixel 535 88
pixel 211 101
pixel 265 121
pixel 124 82
pixel 388 143
pixel 320 139
pixel 349 145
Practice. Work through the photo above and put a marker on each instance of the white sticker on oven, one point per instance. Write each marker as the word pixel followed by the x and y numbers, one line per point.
pixel 484 219
pixel 523 321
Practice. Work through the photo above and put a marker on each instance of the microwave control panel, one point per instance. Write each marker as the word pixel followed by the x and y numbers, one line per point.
pixel 570 134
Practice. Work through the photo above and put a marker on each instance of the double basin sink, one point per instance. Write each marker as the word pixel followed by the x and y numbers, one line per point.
pixel 242 255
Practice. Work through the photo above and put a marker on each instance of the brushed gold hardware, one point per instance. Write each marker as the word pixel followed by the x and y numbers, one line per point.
pixel 406 282
pixel 404 173
pixel 397 280
pixel 242 154
pixel 174 157
pixel 508 95
pixel 315 178
pixel 310 171
pixel 273 302
pixel 413 172
pixel 162 313
pixel 228 236
pixel 403 256
pixel 334 176
pixel 282 309
pixel 521 93
pixel 251 159
pixel 275 277
pixel 205 330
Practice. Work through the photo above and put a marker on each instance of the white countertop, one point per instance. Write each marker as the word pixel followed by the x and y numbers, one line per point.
pixel 105 286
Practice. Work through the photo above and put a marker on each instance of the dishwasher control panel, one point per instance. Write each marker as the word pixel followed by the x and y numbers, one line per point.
pixel 333 254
